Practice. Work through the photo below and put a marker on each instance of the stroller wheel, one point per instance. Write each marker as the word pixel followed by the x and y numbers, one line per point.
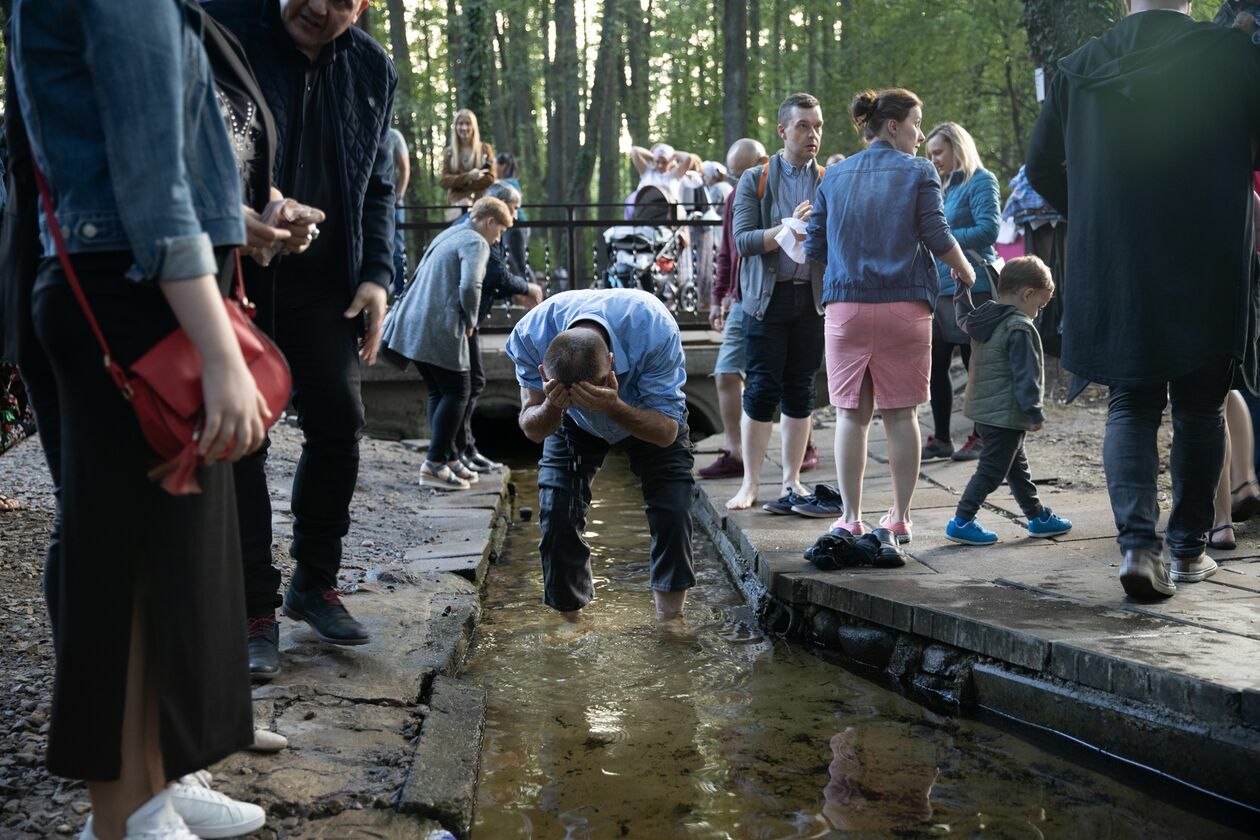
pixel 689 300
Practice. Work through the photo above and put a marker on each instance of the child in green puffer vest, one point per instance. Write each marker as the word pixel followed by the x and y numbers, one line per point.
pixel 1004 392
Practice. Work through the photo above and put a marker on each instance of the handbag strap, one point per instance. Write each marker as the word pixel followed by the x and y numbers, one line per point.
pixel 115 370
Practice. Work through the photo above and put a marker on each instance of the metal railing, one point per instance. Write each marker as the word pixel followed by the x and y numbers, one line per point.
pixel 558 259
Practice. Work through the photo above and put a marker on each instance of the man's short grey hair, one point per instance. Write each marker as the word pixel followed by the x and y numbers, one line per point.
pixel 505 192
pixel 576 355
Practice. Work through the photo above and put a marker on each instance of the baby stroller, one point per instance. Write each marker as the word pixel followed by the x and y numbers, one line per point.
pixel 646 254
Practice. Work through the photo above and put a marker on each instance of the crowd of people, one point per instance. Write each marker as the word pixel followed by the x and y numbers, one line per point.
pixel 250 142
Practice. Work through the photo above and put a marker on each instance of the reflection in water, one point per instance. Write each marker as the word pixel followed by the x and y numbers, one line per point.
pixel 617 726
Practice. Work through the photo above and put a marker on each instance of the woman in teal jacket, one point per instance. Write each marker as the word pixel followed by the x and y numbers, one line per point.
pixel 972 208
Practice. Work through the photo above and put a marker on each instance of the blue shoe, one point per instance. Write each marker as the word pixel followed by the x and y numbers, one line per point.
pixel 784 504
pixel 969 533
pixel 1049 524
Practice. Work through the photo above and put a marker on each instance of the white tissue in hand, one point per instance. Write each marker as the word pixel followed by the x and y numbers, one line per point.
pixel 794 248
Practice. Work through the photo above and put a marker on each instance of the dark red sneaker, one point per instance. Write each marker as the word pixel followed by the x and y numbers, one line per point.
pixel 726 466
pixel 970 450
pixel 810 461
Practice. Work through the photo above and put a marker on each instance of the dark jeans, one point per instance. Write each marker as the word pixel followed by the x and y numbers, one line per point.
pixel 942 388
pixel 784 351
pixel 1001 458
pixel 1131 458
pixel 448 395
pixel 400 252
pixel 571 458
pixel 321 346
pixel 465 443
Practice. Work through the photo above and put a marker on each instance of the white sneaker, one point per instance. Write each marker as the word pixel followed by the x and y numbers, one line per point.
pixel 1192 570
pixel 156 819
pixel 210 814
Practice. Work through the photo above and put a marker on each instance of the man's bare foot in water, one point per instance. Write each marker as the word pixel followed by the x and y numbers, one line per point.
pixel 7 504
pixel 744 499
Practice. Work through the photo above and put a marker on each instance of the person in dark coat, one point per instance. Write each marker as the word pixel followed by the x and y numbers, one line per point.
pixel 1163 299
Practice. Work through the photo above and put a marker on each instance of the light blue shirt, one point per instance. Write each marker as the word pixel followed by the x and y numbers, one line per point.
pixel 646 346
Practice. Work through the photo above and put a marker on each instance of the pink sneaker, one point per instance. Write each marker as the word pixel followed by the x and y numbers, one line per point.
pixel 900 529
pixel 810 461
pixel 857 529
pixel 726 466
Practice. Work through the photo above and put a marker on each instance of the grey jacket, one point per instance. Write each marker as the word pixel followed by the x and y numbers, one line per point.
pixel 749 221
pixel 428 323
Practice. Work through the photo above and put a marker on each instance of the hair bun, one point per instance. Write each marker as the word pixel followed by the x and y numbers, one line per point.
pixel 864 106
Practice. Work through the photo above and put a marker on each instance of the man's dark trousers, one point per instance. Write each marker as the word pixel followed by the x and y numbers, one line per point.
pixel 321 347
pixel 1131 458
pixel 571 458
pixel 783 352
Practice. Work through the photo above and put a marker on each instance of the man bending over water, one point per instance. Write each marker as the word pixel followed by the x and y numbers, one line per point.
pixel 598 370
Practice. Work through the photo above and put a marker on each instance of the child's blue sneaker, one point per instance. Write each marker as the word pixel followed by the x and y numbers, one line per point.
pixel 1049 524
pixel 969 533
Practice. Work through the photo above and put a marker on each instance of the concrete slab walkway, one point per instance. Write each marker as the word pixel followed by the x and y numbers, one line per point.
pixel 1044 629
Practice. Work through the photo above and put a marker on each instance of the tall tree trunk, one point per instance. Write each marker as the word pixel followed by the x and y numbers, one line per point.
pixel 811 54
pixel 776 49
pixel 734 71
pixel 755 56
pixel 404 103
pixel 600 103
pixel 475 47
pixel 639 92
pixel 454 50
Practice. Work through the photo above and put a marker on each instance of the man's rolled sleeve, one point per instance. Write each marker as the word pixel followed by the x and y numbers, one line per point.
pixel 661 384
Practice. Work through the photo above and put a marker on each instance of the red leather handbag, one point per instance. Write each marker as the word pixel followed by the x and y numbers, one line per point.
pixel 164 385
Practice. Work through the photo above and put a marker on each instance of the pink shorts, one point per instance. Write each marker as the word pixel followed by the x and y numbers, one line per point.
pixel 891 340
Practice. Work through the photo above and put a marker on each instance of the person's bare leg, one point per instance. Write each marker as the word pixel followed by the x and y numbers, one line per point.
pixel 1242 466
pixel 669 605
pixel 904 453
pixel 756 437
pixel 795 433
pixel 140 775
pixel 852 426
pixel 730 394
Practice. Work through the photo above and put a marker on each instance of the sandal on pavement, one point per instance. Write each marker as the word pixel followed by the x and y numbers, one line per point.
pixel 441 478
pixel 1222 544
pixel 464 471
pixel 1243 509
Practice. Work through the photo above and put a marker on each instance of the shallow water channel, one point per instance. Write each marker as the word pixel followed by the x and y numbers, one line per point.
pixel 615 727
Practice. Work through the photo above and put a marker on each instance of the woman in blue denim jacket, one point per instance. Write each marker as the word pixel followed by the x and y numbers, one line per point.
pixel 972 208
pixel 145 595
pixel 876 225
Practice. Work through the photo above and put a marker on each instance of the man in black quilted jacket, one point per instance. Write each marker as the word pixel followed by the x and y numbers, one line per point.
pixel 331 90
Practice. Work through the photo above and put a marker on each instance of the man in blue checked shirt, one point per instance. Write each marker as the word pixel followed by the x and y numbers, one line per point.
pixel 600 369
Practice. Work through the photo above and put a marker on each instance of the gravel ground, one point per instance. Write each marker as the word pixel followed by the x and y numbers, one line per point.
pixel 35 804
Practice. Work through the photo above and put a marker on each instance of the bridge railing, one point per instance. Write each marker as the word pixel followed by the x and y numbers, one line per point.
pixel 565 245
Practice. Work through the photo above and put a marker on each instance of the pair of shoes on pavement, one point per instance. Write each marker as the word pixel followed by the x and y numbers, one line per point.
pixel 188 809
pixel 1146 576
pixel 971 532
pixel 901 530
pixel 838 549
pixel 321 609
pixel 823 502
pixel 443 477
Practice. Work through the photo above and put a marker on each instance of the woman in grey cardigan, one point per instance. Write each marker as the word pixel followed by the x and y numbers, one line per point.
pixel 430 326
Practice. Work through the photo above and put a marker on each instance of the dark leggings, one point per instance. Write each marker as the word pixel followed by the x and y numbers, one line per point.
pixel 448 395
pixel 942 388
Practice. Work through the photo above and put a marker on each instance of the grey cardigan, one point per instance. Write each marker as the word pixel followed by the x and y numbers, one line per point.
pixel 750 218
pixel 428 323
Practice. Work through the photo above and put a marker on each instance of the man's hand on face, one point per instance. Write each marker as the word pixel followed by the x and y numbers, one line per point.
pixel 557 395
pixel 370 301
pixel 602 398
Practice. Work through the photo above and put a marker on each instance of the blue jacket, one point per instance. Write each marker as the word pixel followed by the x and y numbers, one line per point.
pixel 365 81
pixel 973 210
pixel 130 139
pixel 877 221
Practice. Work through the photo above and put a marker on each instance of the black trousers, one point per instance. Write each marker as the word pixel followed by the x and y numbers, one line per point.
pixel 465 443
pixel 571 458
pixel 321 346
pixel 1131 458
pixel 448 396
pixel 784 351
pixel 1001 458
pixel 942 388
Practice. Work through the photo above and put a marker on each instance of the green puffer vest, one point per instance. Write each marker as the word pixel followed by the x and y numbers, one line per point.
pixel 990 396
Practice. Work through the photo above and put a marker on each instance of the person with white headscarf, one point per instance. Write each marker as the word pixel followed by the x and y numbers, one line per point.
pixel 663 167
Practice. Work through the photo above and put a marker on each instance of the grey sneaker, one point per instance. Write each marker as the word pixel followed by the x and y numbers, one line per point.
pixel 1193 569
pixel 1145 576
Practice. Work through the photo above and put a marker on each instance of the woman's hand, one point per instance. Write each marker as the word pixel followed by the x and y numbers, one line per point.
pixel 968 279
pixel 236 412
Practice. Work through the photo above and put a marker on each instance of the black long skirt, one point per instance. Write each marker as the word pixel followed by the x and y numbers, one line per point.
pixel 123 537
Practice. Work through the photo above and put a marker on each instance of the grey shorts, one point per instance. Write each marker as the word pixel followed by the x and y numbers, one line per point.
pixel 730 357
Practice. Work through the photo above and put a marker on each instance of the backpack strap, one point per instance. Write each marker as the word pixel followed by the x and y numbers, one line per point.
pixel 765 169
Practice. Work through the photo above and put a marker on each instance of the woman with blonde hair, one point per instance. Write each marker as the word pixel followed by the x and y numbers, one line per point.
pixel 467 164
pixel 973 210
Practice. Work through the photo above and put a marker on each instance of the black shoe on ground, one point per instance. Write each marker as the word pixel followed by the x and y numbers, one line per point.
pixel 823 503
pixel 264 648
pixel 936 449
pixel 327 616
pixel 890 555
pixel 783 505
pixel 1144 575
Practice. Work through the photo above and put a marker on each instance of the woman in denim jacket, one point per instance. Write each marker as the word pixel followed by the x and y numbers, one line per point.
pixel 145 596
pixel 972 208
pixel 877 223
